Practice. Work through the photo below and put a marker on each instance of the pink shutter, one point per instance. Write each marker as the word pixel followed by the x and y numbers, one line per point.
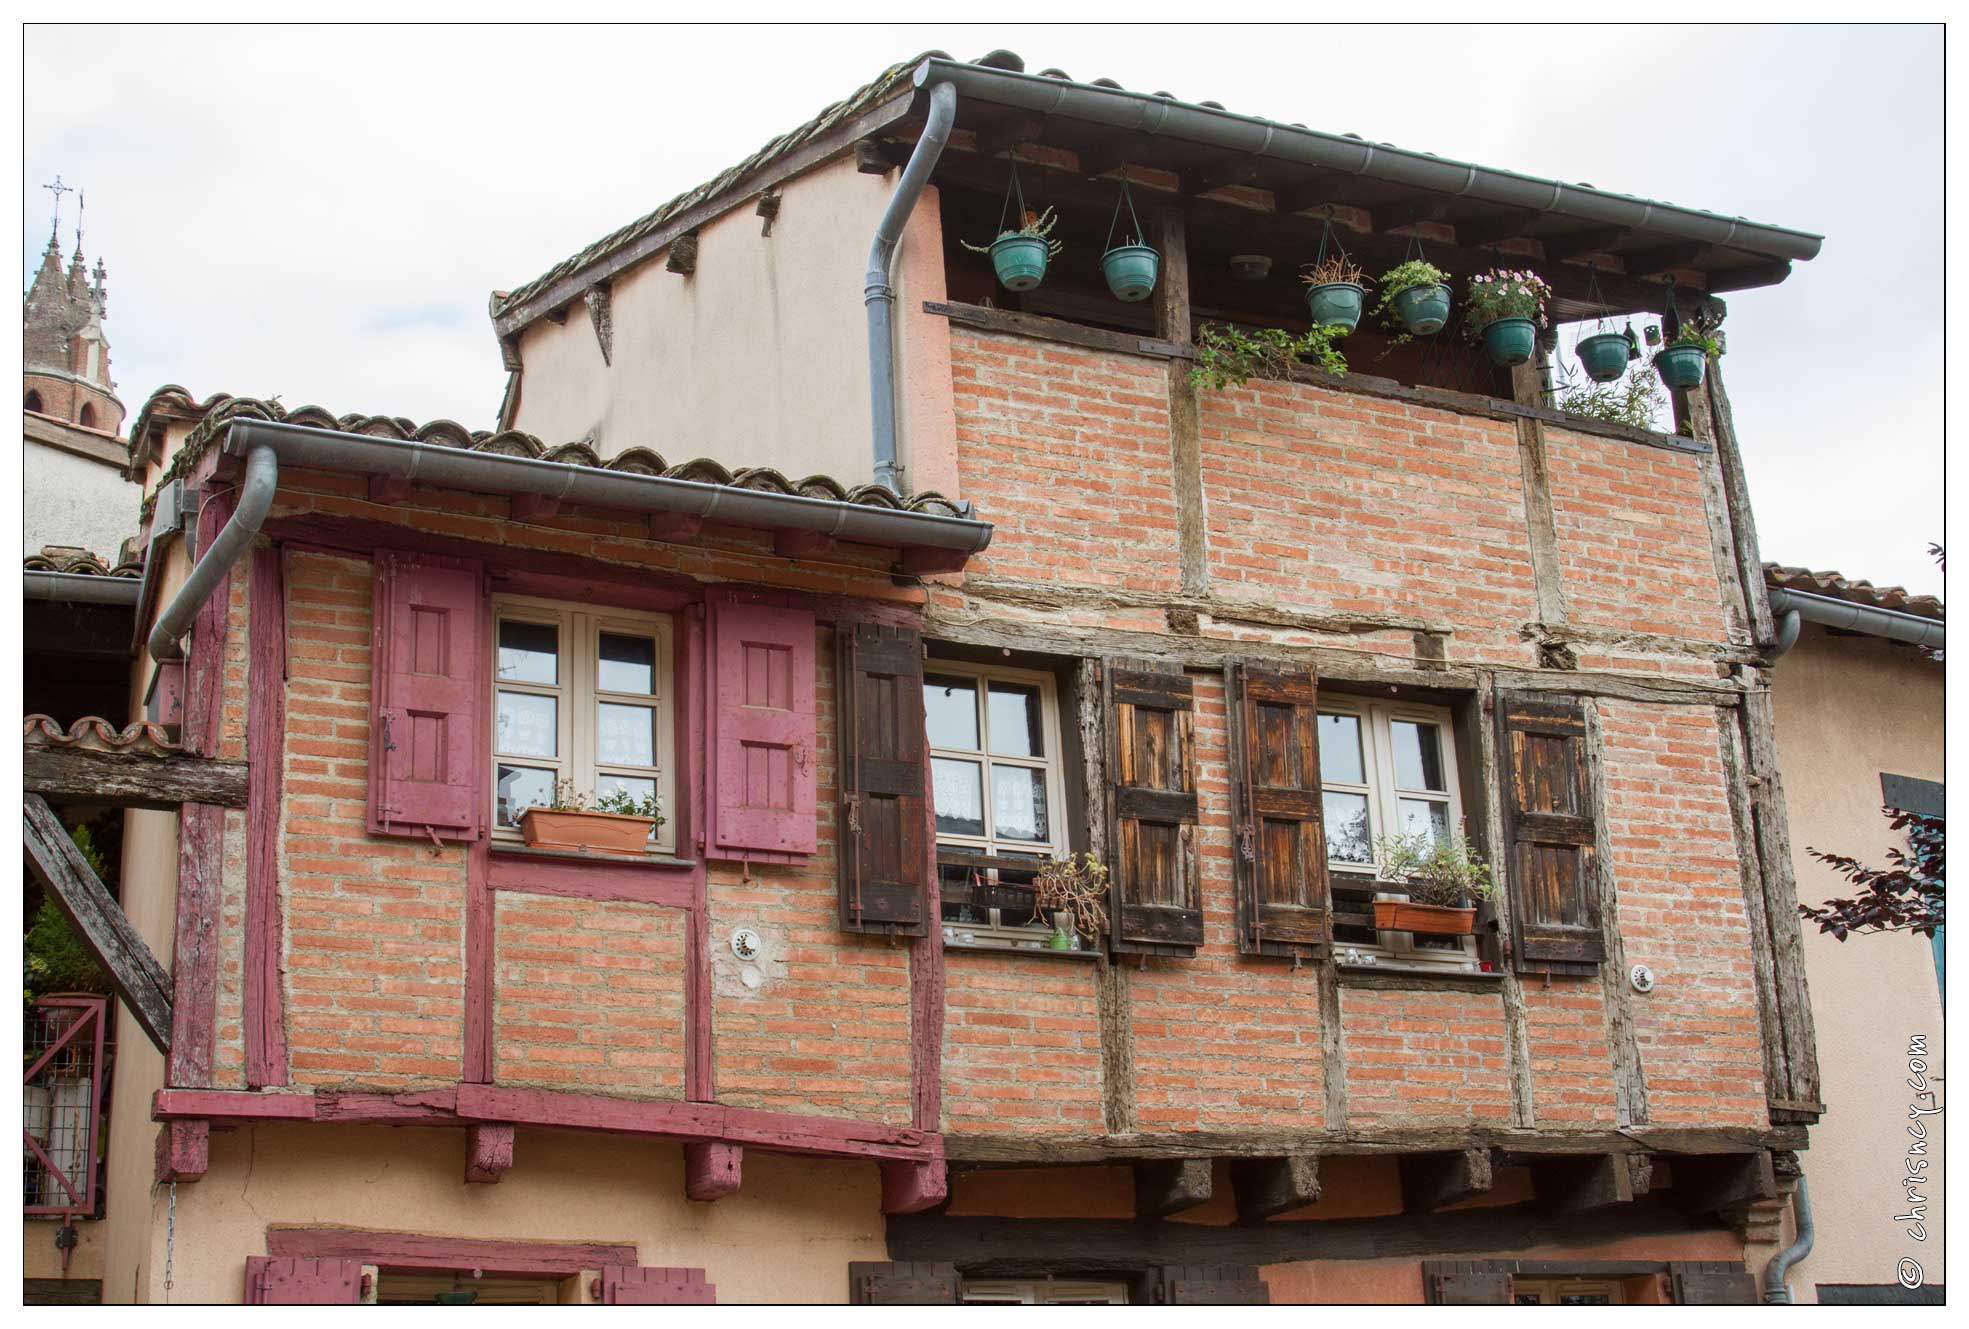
pixel 302 1281
pixel 427 763
pixel 763 730
pixel 648 1285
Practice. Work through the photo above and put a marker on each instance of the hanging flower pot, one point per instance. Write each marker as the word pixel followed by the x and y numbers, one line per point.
pixel 1423 309
pixel 1336 304
pixel 1019 260
pixel 1506 308
pixel 1510 341
pixel 1131 271
pixel 1414 297
pixel 1603 355
pixel 1681 363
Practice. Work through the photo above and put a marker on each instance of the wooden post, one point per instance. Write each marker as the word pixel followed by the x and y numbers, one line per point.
pixel 1736 488
pixel 1541 529
pixel 712 1171
pixel 1112 1001
pixel 910 1186
pixel 1173 324
pixel 488 1151
pixel 1169 1187
pixel 1630 1085
pixel 263 1014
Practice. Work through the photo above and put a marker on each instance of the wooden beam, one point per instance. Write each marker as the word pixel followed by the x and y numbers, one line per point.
pixel 1578 244
pixel 1746 277
pixel 98 921
pixel 1119 153
pixel 184 1151
pixel 389 488
pixel 1502 226
pixel 683 255
pixel 1437 1181
pixel 712 1171
pixel 1664 258
pixel 1265 1187
pixel 1630 1080
pixel 675 526
pixel 533 507
pixel 1574 1185
pixel 1019 129
pixel 1412 211
pixel 1166 1188
pixel 1236 171
pixel 133 779
pixel 872 157
pixel 1723 1181
pixel 263 999
pixel 910 1186
pixel 488 1152
pixel 802 544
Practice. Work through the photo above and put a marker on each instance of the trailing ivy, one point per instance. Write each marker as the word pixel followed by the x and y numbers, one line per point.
pixel 1227 356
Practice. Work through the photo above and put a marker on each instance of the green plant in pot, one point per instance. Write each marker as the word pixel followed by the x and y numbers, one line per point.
pixel 1443 878
pixel 1415 298
pixel 1228 356
pixel 1682 361
pixel 1019 256
pixel 1335 292
pixel 1505 308
pixel 1072 893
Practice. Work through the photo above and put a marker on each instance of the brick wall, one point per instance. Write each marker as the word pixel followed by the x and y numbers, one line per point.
pixel 1571 1068
pixel 1681 909
pixel 1022 1045
pixel 1430 1057
pixel 588 995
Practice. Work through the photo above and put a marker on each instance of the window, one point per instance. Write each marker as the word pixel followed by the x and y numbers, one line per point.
pixel 1565 1292
pixel 994 744
pixel 581 695
pixel 87 419
pixel 32 402
pixel 1385 768
pixel 1041 1292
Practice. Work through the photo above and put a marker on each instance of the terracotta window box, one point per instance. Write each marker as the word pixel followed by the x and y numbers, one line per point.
pixel 586 832
pixel 1429 919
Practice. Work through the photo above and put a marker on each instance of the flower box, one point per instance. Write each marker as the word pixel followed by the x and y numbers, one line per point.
pixel 587 832
pixel 1433 920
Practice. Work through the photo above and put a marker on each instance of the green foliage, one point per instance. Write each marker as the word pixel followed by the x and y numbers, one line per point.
pixel 1227 355
pixel 1435 871
pixel 1339 268
pixel 1038 225
pixel 52 956
pixel 625 804
pixel 1505 293
pixel 1636 399
pixel 1404 277
pixel 1691 335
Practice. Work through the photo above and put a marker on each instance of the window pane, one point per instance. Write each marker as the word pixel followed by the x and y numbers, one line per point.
pixel 522 787
pixel 960 796
pixel 1418 756
pixel 626 664
pixel 1013 709
pixel 625 735
pixel 529 725
pixel 1340 749
pixel 529 652
pixel 1421 815
pixel 1347 836
pixel 1018 803
pixel 950 711
pixel 636 787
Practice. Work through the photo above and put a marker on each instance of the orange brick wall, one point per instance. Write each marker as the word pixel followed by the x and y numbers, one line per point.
pixel 588 995
pixel 1571 1069
pixel 1682 913
pixel 1425 1057
pixel 1022 1044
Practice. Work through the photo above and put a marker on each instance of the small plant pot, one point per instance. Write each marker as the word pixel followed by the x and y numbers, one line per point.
pixel 586 832
pixel 1433 920
pixel 1019 261
pixel 1510 340
pixel 1423 309
pixel 1603 356
pixel 1131 271
pixel 1336 304
pixel 1681 366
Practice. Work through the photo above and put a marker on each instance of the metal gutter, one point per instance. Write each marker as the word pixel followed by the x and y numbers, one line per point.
pixel 82 588
pixel 1835 613
pixel 879 296
pixel 1249 136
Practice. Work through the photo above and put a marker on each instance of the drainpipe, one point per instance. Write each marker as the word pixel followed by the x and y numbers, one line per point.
pixel 1836 613
pixel 1775 1291
pixel 879 296
pixel 1788 629
pixel 255 497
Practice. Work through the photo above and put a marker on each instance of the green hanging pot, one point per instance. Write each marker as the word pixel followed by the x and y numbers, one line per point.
pixel 1336 304
pixel 1681 366
pixel 1131 271
pixel 1510 340
pixel 1423 309
pixel 1603 355
pixel 1019 261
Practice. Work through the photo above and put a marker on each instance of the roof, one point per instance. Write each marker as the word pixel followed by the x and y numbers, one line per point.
pixel 1837 587
pixel 75 561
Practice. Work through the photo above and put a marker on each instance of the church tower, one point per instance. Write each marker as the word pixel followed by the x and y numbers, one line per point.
pixel 65 354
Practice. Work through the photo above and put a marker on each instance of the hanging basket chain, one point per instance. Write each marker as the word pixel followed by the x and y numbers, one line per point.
pixel 1127 197
pixel 1012 190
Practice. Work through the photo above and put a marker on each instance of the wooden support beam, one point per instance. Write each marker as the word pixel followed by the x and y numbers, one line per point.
pixel 1747 276
pixel 1317 193
pixel 1578 244
pixel 488 1152
pixel 98 921
pixel 1265 1187
pixel 910 1186
pixel 1019 129
pixel 534 507
pixel 874 157
pixel 1665 258
pixel 768 208
pixel 1436 1181
pixel 390 488
pixel 133 779
pixel 683 255
pixel 802 544
pixel 1723 1181
pixel 1236 171
pixel 675 526
pixel 918 562
pixel 183 1151
pixel 1570 1185
pixel 712 1171
pixel 1411 211
pixel 1099 161
pixel 601 315
pixel 1166 1188
pixel 1489 230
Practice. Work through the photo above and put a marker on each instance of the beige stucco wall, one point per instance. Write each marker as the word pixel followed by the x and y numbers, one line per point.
pixel 40 1258
pixel 71 500
pixel 1848 709
pixel 786 1236
pixel 760 358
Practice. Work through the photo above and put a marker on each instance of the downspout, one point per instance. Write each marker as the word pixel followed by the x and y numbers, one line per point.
pixel 1775 1291
pixel 255 497
pixel 879 296
pixel 1788 629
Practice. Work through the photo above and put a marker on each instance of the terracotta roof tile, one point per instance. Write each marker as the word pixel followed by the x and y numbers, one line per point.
pixel 1838 587
pixel 98 735
pixel 77 561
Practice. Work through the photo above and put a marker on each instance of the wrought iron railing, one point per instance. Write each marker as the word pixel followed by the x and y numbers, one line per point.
pixel 65 1043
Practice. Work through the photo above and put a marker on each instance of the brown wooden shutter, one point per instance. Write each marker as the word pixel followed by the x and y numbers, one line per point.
pixel 1280 856
pixel 302 1281
pixel 1550 829
pixel 1466 1283
pixel 1712 1283
pixel 882 773
pixel 428 747
pixel 874 1283
pixel 1152 809
pixel 1213 1285
pixel 652 1285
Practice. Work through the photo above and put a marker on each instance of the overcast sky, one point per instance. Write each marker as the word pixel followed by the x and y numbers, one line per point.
pixel 320 213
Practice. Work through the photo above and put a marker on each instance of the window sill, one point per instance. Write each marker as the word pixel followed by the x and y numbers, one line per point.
pixel 514 849
pixel 1044 952
pixel 1396 975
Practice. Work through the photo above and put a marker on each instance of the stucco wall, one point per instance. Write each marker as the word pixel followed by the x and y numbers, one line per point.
pixel 1848 709
pixel 71 500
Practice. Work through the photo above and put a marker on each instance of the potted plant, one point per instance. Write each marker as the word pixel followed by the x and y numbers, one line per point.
pixel 1335 292
pixel 1443 879
pixel 1682 361
pixel 1415 295
pixel 1073 893
pixel 617 823
pixel 1506 308
pixel 1603 355
pixel 1227 356
pixel 1131 271
pixel 1019 256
